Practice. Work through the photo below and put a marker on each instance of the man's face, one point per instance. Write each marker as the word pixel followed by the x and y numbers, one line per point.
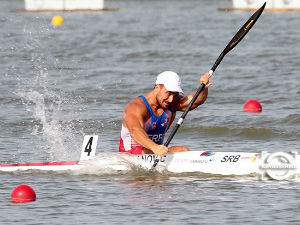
pixel 165 98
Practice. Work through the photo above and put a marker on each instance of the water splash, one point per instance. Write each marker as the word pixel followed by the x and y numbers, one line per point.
pixel 49 125
pixel 111 164
pixel 43 102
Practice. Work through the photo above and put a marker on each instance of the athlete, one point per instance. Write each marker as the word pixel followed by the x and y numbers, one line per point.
pixel 147 118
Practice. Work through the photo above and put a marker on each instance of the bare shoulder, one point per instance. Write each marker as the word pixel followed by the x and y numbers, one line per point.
pixel 136 104
pixel 135 109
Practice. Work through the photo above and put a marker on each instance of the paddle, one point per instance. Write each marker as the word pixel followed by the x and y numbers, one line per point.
pixel 235 40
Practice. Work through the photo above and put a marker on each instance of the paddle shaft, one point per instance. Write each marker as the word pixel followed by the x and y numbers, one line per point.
pixel 234 41
pixel 180 121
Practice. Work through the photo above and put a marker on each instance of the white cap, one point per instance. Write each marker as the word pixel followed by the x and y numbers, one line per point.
pixel 170 80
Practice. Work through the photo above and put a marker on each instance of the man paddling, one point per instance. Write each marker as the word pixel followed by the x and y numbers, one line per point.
pixel 147 118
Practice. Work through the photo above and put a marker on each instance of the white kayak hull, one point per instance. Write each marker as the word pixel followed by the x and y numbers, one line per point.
pixel 44 166
pixel 223 163
pixel 216 163
pixel 278 165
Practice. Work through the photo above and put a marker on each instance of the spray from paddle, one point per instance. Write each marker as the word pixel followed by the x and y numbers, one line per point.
pixel 43 102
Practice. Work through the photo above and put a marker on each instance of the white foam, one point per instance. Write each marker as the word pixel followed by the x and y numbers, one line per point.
pixel 114 163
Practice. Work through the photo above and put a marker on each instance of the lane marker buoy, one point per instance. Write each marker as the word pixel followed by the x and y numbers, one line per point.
pixel 22 194
pixel 57 20
pixel 252 106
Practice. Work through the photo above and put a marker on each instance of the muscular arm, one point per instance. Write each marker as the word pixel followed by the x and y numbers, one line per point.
pixel 133 118
pixel 183 104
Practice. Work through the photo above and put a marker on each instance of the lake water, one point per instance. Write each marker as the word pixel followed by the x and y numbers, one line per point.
pixel 59 83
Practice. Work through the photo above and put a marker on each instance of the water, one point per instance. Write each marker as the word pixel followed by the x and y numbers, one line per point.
pixel 58 84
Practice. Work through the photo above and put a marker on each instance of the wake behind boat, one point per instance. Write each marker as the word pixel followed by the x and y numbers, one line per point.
pixel 208 162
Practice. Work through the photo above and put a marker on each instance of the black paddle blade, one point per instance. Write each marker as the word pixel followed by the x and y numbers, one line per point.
pixel 240 35
pixel 244 30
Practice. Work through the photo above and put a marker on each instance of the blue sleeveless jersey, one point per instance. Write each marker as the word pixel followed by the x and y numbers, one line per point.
pixel 157 126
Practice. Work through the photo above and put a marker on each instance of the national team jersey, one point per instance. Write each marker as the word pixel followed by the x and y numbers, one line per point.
pixel 155 127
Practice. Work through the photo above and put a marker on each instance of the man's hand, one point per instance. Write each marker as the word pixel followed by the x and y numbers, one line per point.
pixel 161 150
pixel 205 79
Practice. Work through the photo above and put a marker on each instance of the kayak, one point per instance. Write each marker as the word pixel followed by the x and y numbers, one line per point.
pixel 276 165
pixel 223 163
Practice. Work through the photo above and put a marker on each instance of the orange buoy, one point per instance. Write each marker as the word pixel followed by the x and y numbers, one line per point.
pixel 23 193
pixel 252 106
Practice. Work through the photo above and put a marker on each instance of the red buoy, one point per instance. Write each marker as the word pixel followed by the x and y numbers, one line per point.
pixel 22 194
pixel 252 106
